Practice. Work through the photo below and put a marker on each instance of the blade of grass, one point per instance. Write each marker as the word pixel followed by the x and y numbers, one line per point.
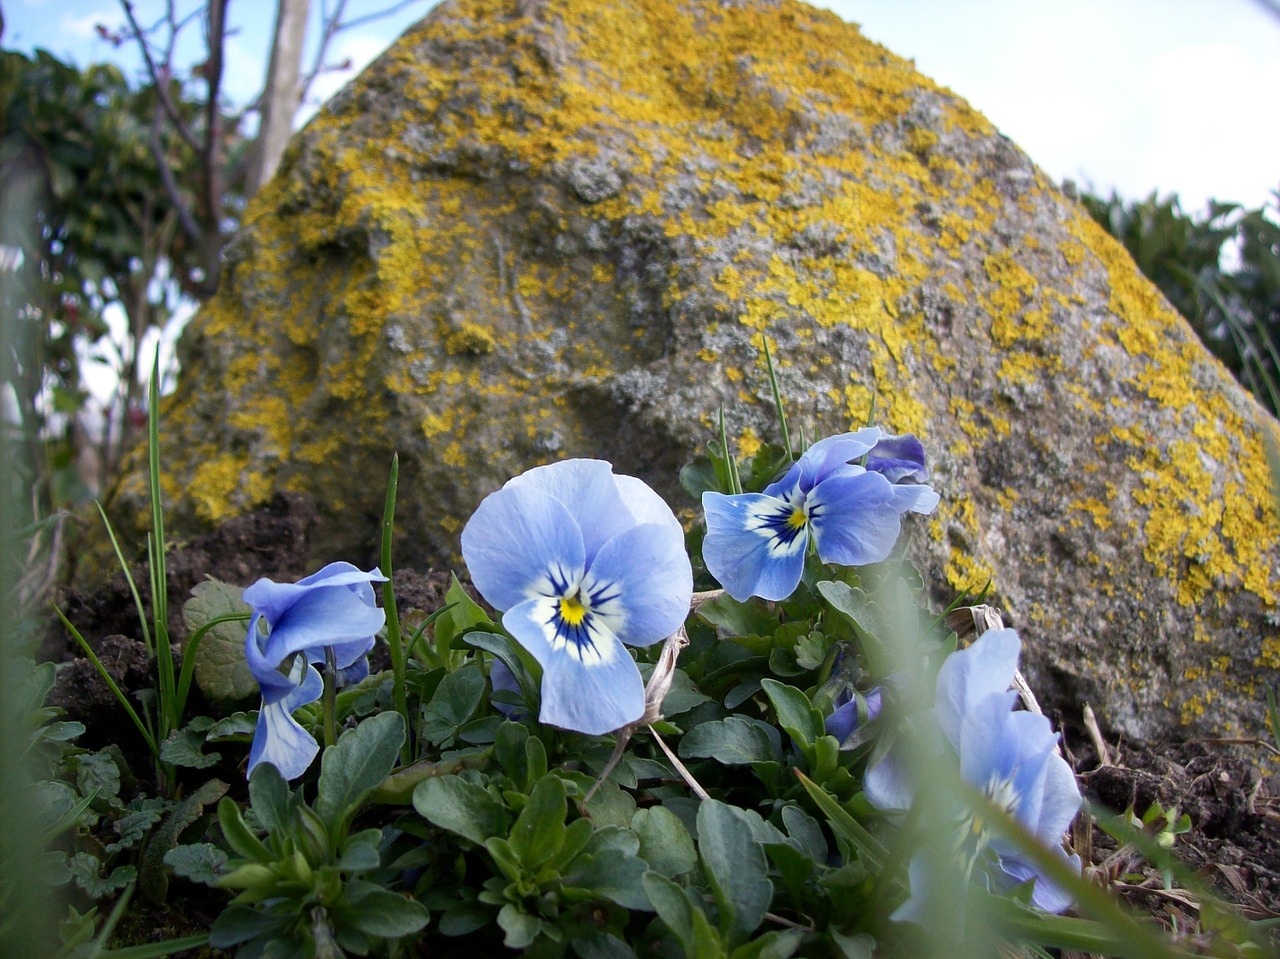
pixel 395 645
pixel 731 462
pixel 144 729
pixel 164 653
pixel 777 398
pixel 170 716
pixel 128 578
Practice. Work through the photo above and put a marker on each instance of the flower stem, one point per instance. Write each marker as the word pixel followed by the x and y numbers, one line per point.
pixel 329 701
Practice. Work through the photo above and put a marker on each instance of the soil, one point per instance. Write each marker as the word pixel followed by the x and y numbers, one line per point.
pixel 1233 844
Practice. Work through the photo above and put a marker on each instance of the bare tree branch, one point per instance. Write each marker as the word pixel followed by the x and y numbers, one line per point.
pixel 160 82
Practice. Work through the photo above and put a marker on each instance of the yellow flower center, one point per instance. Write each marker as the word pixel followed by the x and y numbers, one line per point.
pixel 572 611
pixel 797 519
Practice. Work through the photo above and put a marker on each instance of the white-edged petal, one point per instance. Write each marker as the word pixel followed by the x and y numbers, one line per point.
pixel 854 519
pixel 751 547
pixel 640 583
pixel 521 542
pixel 595 693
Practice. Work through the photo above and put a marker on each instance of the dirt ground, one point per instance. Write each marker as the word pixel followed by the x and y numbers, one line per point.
pixel 1233 842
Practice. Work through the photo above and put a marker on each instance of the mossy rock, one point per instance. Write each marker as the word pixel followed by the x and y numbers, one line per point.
pixel 554 228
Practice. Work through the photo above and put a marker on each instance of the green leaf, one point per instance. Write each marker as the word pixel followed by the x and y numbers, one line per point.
pixel 538 832
pixel 610 874
pixel 359 857
pixel 238 835
pixel 672 907
pixel 519 928
pixel 270 797
pixel 185 747
pixel 664 842
pixel 455 701
pixel 239 726
pixel 198 862
pixel 465 616
pixel 100 773
pixel 237 924
pixel 381 912
pixel 221 671
pixel 732 618
pixel 844 825
pixel 736 868
pixel 153 879
pixel 802 722
pixel 806 835
pixel 778 944
pixel 362 758
pixel 461 807
pixel 601 945
pixel 733 741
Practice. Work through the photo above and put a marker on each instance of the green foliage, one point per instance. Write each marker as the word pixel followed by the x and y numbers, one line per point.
pixel 91 180
pixel 1220 270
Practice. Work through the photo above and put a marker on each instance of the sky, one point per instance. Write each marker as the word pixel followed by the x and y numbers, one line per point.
pixel 1176 96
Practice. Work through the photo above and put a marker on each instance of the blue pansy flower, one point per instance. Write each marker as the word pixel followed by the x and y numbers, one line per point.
pixel 851 713
pixel 1011 756
pixel 580 561
pixel 292 626
pixel 756 542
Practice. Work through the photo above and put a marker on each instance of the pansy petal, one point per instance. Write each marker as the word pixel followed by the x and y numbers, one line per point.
pixel 278 739
pixel 898 458
pixel 972 674
pixel 265 671
pixel 646 506
pixel 1004 753
pixel 885 784
pixel 354 672
pixel 594 694
pixel 347 654
pixel 640 584
pixel 911 497
pixel 749 546
pixel 828 455
pixel 1046 894
pixel 520 542
pixel 1060 802
pixel 590 492
pixel 323 617
pixel 273 599
pixel 533 625
pixel 503 680
pixel 854 519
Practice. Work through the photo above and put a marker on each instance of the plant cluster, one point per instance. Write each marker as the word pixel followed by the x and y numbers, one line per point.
pixel 752 739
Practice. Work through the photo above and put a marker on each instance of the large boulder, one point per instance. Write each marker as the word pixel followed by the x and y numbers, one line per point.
pixel 552 228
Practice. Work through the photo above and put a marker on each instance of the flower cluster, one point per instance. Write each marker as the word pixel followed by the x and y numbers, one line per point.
pixel 1010 756
pixel 293 625
pixel 581 561
pixel 756 542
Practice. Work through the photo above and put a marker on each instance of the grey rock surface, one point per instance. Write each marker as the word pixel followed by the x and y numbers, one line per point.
pixel 548 229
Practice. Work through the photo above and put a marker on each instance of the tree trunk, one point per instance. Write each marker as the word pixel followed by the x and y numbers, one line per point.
pixel 280 93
